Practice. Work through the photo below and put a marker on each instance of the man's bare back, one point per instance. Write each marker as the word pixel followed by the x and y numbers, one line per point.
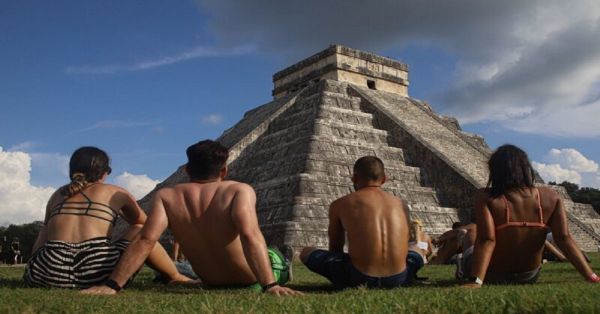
pixel 200 217
pixel 377 230
pixel 376 226
pixel 215 223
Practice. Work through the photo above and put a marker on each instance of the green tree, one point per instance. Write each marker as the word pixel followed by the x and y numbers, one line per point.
pixel 26 233
pixel 585 195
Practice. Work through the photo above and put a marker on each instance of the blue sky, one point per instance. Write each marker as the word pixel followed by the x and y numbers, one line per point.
pixel 144 79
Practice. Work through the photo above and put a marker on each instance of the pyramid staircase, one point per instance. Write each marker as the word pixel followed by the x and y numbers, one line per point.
pixel 303 161
pixel 298 150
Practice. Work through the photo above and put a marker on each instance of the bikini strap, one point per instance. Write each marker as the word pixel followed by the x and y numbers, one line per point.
pixel 539 204
pixel 506 209
pixel 88 200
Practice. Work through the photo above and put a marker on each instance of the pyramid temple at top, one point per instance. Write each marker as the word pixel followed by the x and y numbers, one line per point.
pixel 341 104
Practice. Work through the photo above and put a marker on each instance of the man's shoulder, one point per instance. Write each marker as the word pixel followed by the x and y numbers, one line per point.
pixel 344 199
pixel 235 186
pixel 169 191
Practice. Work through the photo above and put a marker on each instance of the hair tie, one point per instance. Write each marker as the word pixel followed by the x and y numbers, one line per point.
pixel 78 176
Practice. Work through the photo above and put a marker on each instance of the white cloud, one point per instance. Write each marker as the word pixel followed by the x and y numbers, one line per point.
pixel 20 201
pixel 591 180
pixel 568 164
pixel 530 66
pixel 212 119
pixel 558 122
pixel 47 169
pixel 113 124
pixel 572 159
pixel 194 53
pixel 24 146
pixel 554 172
pixel 138 185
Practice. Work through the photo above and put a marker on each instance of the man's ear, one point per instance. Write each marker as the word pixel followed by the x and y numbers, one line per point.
pixel 223 172
pixel 383 179
pixel 353 178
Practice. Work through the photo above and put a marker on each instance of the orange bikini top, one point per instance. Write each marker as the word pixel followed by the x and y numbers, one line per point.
pixel 535 224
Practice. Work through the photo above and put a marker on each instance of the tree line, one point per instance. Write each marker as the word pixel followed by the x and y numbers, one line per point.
pixel 584 195
pixel 25 234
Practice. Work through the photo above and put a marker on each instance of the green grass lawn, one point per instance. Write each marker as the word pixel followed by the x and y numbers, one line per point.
pixel 560 289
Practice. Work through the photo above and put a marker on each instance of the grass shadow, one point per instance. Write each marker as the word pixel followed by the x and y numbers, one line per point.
pixel 12 283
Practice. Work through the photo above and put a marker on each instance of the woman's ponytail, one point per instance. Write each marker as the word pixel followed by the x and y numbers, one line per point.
pixel 78 183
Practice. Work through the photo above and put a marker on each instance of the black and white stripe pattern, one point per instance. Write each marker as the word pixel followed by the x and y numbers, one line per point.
pixel 73 265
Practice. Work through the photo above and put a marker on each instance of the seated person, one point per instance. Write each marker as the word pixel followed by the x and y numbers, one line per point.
pixel 15 248
pixel 376 226
pixel 73 249
pixel 420 242
pixel 553 253
pixel 454 242
pixel 183 266
pixel 512 216
pixel 215 223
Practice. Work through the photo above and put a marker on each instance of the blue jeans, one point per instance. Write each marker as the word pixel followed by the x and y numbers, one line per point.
pixel 338 268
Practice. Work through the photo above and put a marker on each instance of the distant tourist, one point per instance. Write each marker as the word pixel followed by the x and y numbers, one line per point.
pixel 15 248
pixel 74 249
pixel 215 222
pixel 376 225
pixel 420 241
pixel 512 217
pixel 454 242
pixel 552 253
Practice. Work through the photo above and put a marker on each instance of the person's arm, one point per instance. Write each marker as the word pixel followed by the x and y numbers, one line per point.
pixel 131 210
pixel 449 235
pixel 554 251
pixel 175 251
pixel 562 238
pixel 42 237
pixel 243 215
pixel 429 246
pixel 486 239
pixel 335 231
pixel 138 250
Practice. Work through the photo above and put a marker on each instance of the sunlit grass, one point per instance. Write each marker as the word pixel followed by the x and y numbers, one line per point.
pixel 560 289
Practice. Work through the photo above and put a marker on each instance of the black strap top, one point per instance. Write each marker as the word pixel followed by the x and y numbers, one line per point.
pixel 87 208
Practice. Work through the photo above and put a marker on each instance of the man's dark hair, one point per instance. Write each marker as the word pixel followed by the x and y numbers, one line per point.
pixel 369 168
pixel 206 159
pixel 457 224
pixel 509 169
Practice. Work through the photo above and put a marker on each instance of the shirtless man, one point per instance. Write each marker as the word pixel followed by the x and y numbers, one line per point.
pixel 376 226
pixel 214 222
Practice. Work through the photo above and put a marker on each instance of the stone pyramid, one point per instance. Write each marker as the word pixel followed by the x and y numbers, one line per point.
pixel 334 107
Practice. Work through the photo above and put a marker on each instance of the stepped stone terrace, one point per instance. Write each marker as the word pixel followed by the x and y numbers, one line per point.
pixel 340 104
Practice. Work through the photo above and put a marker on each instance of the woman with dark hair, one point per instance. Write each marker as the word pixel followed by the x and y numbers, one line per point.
pixel 73 249
pixel 512 217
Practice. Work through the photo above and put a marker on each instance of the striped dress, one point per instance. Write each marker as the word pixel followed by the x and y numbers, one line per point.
pixel 74 265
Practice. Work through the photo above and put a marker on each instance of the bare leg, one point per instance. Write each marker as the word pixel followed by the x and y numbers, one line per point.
pixel 158 259
pixel 469 239
pixel 446 251
pixel 555 251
